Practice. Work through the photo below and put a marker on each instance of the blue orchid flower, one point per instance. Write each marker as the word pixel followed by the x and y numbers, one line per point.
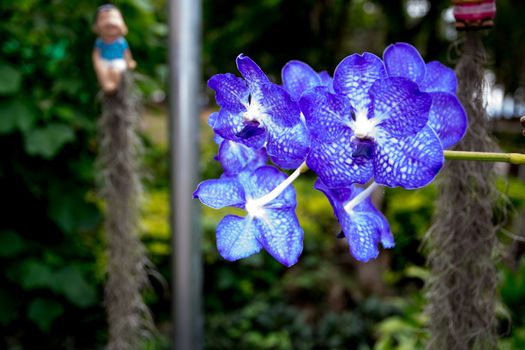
pixel 237 158
pixel 258 113
pixel 270 222
pixel 447 116
pixel 298 77
pixel 374 126
pixel 362 224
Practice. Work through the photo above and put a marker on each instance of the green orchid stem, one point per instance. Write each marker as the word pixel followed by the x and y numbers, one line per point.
pixel 513 158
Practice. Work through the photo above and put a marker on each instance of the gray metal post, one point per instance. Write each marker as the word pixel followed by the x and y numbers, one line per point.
pixel 185 79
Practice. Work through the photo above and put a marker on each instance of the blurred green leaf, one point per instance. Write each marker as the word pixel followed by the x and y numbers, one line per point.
pixel 44 312
pixel 11 79
pixel 8 305
pixel 47 141
pixel 34 274
pixel 15 115
pixel 10 244
pixel 72 213
pixel 74 286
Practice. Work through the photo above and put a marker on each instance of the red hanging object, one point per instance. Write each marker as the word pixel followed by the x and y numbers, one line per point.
pixel 474 14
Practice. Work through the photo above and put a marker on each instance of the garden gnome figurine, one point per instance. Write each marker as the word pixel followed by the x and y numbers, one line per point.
pixel 111 54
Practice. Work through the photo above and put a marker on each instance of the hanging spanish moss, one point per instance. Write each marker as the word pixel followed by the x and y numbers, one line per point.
pixel 461 243
pixel 128 317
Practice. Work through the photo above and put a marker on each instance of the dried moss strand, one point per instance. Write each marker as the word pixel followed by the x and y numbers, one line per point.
pixel 461 290
pixel 129 319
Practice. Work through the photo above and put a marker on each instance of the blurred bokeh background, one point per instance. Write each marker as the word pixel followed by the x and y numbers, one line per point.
pixel 51 241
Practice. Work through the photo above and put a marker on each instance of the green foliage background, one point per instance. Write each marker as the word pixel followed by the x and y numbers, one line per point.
pixel 51 244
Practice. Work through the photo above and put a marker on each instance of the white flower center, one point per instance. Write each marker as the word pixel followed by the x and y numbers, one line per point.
pixel 254 208
pixel 253 112
pixel 363 127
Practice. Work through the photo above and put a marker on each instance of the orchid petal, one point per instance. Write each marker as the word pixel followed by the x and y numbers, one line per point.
pixel 231 92
pixel 354 76
pixel 236 238
pixel 263 181
pixel 230 125
pixel 448 118
pixel 235 157
pixel 327 115
pixel 403 60
pixel 400 108
pixel 334 164
pixel 364 226
pixel 439 78
pixel 327 80
pixel 219 193
pixel 288 147
pixel 298 77
pixel 412 162
pixel 278 106
pixel 251 71
pixel 281 235
pixel 363 232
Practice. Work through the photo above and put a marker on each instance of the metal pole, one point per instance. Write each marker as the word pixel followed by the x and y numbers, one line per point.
pixel 184 59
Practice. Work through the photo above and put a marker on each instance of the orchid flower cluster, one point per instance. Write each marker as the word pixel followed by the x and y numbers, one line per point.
pixel 377 122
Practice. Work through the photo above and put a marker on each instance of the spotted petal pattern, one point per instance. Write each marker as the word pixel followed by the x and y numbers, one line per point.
pixel 220 193
pixel 448 118
pixel 411 162
pixel 355 75
pixel 298 77
pixel 231 92
pixel 400 106
pixel 281 235
pixel 274 226
pixel 403 60
pixel 439 78
pixel 230 125
pixel 251 71
pixel 288 147
pixel 331 148
pixel 364 226
pixel 236 238
pixel 257 113
pixel 235 157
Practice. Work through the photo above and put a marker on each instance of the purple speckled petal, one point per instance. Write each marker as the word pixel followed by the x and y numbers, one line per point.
pixel 327 115
pixel 334 164
pixel 236 238
pixel 263 181
pixel 281 235
pixel 399 106
pixel 219 193
pixel 211 122
pixel 439 78
pixel 412 162
pixel 251 71
pixel 279 107
pixel 403 60
pixel 448 118
pixel 363 232
pixel 288 147
pixel 231 92
pixel 354 76
pixel 364 226
pixel 230 125
pixel 235 157
pixel 212 119
pixel 298 77
pixel 327 81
